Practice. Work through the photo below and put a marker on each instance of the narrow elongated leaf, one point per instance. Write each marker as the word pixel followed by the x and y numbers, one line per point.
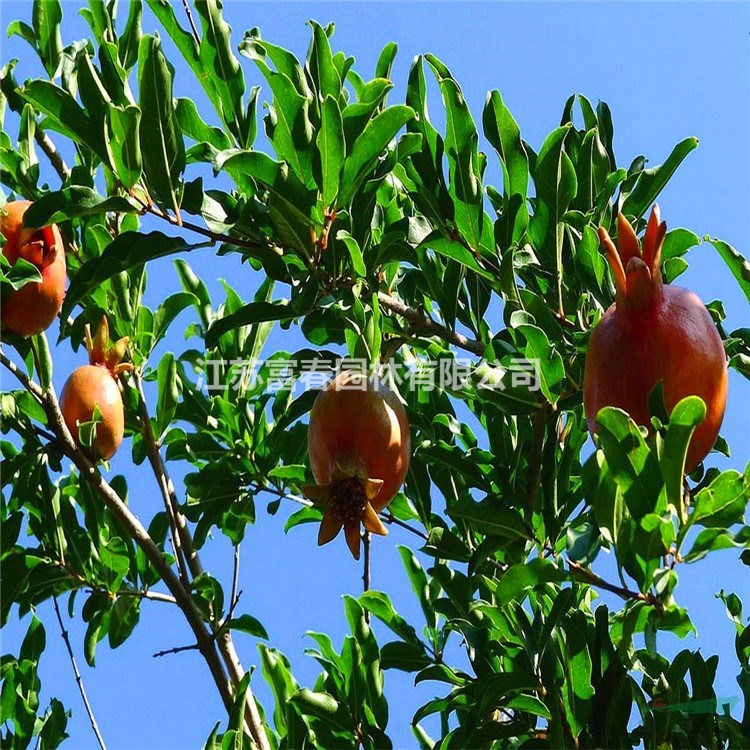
pixel 369 146
pixel 254 312
pixel 72 202
pixel 124 143
pixel 129 250
pixel 723 502
pixel 62 110
pixel 738 265
pixel 503 133
pixel 685 417
pixel 332 150
pixel 123 619
pixel 491 518
pixel 652 181
pixel 46 19
pixel 162 146
pixel 222 67
pixel 322 68
pixel 461 146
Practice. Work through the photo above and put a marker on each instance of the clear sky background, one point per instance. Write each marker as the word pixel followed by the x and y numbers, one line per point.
pixel 668 71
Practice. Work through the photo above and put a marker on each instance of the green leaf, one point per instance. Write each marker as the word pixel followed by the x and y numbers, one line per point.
pixel 456 251
pixel 248 624
pixel 503 133
pixel 253 312
pixel 491 518
pixel 71 203
pixel 222 68
pixel 722 503
pixel 46 19
pixel 123 618
pixel 551 368
pixel 523 576
pixel 124 144
pixel 168 393
pixel 322 69
pixel 738 265
pixel 130 38
pixel 355 253
pixel 369 146
pixel 62 110
pixel 332 150
pixel 685 417
pixel 195 127
pixel 461 144
pixel 162 146
pixel 651 181
pixel 128 250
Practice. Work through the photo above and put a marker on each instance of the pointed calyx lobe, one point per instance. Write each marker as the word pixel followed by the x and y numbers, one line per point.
pixel 636 269
pixel 104 353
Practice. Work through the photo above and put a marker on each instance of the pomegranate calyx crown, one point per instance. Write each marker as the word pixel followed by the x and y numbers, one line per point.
pixel 104 353
pixel 636 267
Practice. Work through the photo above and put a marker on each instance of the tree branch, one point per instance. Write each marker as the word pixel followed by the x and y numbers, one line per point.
pixel 176 650
pixel 54 156
pixel 90 473
pixel 79 679
pixel 424 324
pixel 193 28
pixel 366 570
pixel 623 592
pixel 157 465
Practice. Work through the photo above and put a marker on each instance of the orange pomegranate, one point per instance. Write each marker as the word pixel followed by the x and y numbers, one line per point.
pixel 32 308
pixel 654 332
pixel 359 446
pixel 95 386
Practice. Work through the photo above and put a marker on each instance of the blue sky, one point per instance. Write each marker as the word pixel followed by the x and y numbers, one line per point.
pixel 668 71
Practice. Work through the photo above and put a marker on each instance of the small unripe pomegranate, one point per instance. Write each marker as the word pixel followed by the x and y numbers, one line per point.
pixel 32 308
pixel 360 446
pixel 95 386
pixel 654 332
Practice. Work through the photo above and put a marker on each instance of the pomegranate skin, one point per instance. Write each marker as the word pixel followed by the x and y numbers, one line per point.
pixel 33 308
pixel 89 386
pixel 367 428
pixel 655 332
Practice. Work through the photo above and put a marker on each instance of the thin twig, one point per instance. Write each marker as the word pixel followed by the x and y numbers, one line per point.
pixel 193 27
pixel 79 679
pixel 176 650
pixel 157 465
pixel 535 457
pixel 236 593
pixel 154 210
pixel 622 591
pixel 54 156
pixel 366 570
pixel 424 324
pixel 388 517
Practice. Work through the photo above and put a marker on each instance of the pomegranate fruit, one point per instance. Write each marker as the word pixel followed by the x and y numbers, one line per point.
pixel 32 308
pixel 654 332
pixel 359 446
pixel 95 386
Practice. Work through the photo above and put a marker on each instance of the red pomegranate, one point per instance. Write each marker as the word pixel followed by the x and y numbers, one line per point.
pixel 95 386
pixel 654 332
pixel 360 446
pixel 32 308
